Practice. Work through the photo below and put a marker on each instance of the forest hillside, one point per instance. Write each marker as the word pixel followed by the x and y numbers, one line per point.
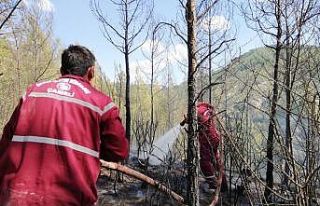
pixel 266 99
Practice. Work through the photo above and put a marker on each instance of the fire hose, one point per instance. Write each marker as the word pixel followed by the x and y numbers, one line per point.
pixel 133 173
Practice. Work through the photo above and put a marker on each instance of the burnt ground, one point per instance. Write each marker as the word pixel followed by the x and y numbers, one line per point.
pixel 117 189
pixel 244 188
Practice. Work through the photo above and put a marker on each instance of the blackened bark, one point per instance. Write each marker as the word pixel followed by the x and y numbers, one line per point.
pixel 193 145
pixel 274 100
pixel 126 55
pixel 128 111
pixel 288 135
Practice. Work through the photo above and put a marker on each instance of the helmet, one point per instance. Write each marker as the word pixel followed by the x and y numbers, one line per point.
pixel 204 111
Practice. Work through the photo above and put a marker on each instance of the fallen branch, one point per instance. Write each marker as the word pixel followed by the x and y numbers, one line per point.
pixel 142 177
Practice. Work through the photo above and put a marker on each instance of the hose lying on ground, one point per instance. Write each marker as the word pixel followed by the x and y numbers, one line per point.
pixel 133 173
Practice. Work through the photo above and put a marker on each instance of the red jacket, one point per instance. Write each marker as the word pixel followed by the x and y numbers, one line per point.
pixel 209 137
pixel 50 148
pixel 209 140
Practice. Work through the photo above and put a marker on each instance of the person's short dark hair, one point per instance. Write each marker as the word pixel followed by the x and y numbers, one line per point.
pixel 76 60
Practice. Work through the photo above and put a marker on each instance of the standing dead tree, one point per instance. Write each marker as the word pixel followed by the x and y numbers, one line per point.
pixel 213 40
pixel 154 54
pixel 286 25
pixel 267 20
pixel 193 144
pixel 126 37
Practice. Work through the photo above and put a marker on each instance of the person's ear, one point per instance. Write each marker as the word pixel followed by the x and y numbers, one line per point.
pixel 90 73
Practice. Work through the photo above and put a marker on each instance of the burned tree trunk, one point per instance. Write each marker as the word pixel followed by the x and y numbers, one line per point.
pixel 124 38
pixel 193 151
pixel 274 100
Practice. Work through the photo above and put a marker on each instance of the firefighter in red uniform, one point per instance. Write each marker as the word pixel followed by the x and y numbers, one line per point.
pixel 50 148
pixel 209 140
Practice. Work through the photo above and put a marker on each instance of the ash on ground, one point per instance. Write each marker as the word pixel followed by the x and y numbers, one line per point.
pixel 115 188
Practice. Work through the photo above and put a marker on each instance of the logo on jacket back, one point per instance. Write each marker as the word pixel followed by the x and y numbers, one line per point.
pixel 62 88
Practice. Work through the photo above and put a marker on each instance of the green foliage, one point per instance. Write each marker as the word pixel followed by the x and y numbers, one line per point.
pixel 4 49
pixel 28 54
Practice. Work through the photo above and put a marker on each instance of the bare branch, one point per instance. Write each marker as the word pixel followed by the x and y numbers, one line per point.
pixel 175 29
pixel 10 14
pixel 207 9
pixel 204 89
pixel 214 51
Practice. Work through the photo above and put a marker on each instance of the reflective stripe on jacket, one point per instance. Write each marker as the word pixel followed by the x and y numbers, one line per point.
pixel 52 144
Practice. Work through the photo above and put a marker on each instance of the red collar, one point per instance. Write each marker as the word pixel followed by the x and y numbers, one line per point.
pixel 77 77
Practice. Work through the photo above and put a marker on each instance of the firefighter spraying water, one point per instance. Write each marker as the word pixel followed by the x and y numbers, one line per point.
pixel 51 146
pixel 209 140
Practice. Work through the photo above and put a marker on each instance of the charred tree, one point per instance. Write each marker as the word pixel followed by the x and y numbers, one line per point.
pixel 135 16
pixel 274 100
pixel 193 145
